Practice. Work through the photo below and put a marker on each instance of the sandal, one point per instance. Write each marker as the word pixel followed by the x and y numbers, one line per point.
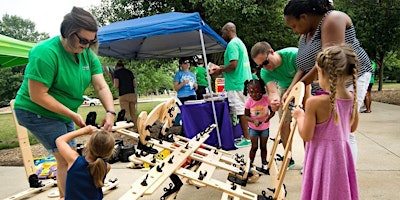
pixel 366 111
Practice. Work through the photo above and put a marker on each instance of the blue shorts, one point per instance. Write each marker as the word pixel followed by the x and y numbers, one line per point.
pixel 44 129
pixel 258 133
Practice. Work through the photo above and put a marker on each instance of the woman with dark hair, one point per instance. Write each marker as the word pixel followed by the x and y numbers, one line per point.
pixel 185 82
pixel 59 71
pixel 321 26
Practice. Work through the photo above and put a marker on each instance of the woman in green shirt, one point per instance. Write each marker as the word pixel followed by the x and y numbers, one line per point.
pixel 58 72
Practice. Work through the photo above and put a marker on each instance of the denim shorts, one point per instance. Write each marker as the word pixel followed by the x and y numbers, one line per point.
pixel 258 133
pixel 44 129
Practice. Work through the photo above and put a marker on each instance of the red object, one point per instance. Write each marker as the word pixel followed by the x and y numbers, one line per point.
pixel 219 84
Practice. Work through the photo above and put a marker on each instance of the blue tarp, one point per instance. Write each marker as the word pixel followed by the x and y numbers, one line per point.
pixel 166 35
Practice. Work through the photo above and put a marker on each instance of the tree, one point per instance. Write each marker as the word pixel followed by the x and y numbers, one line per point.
pixel 378 27
pixel 11 78
pixel 10 81
pixel 21 29
pixel 255 20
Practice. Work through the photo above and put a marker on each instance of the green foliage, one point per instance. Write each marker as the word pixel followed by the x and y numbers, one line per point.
pixel 21 29
pixel 378 27
pixel 256 20
pixel 10 81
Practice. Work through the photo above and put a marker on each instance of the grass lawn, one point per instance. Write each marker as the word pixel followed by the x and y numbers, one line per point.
pixel 387 86
pixel 8 137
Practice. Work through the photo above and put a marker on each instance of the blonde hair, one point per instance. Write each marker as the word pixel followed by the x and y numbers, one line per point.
pixel 339 62
pixel 100 146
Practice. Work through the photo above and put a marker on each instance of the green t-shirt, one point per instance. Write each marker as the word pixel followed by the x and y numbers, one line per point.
pixel 255 77
pixel 284 73
pixel 201 75
pixel 67 80
pixel 234 80
pixel 373 64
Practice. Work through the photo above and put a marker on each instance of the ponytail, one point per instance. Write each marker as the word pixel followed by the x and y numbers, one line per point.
pixel 98 169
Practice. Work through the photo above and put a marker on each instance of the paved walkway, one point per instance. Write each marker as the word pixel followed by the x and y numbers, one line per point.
pixel 378 166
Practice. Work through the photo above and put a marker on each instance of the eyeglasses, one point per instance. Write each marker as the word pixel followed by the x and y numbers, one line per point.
pixel 84 41
pixel 266 62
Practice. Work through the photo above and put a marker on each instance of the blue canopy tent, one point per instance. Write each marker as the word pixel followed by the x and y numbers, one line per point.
pixel 168 35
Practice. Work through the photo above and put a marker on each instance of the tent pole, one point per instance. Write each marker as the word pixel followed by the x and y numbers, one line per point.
pixel 136 90
pixel 209 85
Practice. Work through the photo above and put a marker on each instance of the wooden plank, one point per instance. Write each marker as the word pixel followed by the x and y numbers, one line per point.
pixel 109 185
pixel 221 165
pixel 279 194
pixel 47 184
pixel 219 185
pixel 207 168
pixel 226 163
pixel 24 145
pixel 226 196
pixel 122 125
pixel 154 178
pixel 278 175
pixel 205 145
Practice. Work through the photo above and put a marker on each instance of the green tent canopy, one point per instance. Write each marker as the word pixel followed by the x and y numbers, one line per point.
pixel 13 52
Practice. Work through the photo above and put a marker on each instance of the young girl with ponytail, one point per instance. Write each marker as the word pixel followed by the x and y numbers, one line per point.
pixel 329 170
pixel 85 175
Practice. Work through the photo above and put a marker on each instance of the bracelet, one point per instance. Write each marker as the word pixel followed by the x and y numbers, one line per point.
pixel 112 112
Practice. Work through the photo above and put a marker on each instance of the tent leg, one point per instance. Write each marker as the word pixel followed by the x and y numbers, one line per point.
pixel 136 87
pixel 210 88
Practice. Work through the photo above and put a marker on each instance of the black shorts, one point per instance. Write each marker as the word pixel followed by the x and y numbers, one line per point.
pixel 370 86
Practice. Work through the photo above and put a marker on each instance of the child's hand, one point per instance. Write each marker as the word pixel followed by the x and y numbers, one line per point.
pixel 91 129
pixel 272 114
pixel 298 113
pixel 257 123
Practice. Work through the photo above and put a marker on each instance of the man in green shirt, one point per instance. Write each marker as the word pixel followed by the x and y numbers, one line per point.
pixel 201 77
pixel 236 71
pixel 278 67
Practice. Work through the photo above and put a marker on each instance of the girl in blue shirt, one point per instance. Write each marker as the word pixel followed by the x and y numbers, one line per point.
pixel 85 175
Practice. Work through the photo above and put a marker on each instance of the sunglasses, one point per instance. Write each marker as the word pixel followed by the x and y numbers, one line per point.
pixel 266 62
pixel 84 41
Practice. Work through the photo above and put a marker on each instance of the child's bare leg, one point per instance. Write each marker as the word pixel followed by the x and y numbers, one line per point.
pixel 263 148
pixel 254 147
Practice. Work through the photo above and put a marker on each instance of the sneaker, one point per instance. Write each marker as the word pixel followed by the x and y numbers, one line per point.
pixel 237 140
pixel 291 164
pixel 243 143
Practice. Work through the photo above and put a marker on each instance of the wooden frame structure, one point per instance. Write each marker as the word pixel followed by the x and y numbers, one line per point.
pixel 27 159
pixel 210 158
pixel 294 99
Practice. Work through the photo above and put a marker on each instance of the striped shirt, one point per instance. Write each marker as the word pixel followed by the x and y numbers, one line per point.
pixel 308 51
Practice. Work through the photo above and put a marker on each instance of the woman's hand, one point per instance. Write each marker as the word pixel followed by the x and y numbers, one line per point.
pixel 77 118
pixel 185 82
pixel 284 97
pixel 107 122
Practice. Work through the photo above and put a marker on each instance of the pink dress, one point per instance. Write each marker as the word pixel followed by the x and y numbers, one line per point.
pixel 329 171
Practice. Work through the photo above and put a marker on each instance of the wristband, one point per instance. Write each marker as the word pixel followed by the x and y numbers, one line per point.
pixel 112 112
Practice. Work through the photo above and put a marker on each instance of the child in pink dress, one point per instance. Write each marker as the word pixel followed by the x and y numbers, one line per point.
pixel 258 113
pixel 329 171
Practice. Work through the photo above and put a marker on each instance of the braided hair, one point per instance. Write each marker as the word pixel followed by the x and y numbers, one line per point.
pixel 249 83
pixel 339 62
